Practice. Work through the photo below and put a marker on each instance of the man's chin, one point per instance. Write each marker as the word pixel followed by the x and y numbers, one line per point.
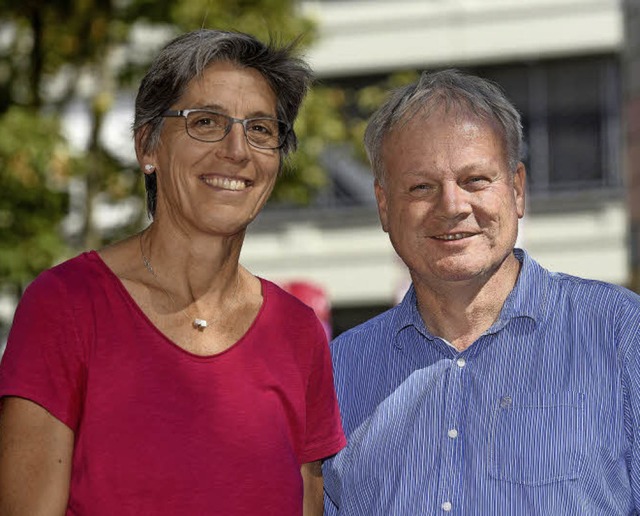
pixel 458 268
pixel 462 269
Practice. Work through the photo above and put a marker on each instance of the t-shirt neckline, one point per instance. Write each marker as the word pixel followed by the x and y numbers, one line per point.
pixel 128 298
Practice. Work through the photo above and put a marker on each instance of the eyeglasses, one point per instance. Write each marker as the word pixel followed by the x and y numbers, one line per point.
pixel 208 126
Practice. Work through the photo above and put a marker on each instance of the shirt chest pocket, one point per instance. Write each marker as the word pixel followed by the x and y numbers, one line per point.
pixel 537 438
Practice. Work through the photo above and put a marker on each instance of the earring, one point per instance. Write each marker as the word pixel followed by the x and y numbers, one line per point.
pixel 149 167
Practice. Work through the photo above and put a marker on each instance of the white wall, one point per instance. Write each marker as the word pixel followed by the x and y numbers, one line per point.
pixel 357 37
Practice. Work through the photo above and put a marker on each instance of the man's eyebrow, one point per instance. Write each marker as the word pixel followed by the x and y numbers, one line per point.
pixel 417 172
pixel 479 164
pixel 482 165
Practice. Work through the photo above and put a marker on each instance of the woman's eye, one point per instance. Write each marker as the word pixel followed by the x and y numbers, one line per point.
pixel 261 127
pixel 202 120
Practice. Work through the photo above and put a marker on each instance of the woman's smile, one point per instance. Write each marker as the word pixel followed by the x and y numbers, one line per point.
pixel 233 184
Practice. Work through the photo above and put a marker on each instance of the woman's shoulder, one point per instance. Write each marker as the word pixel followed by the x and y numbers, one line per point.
pixel 289 311
pixel 83 277
pixel 274 294
pixel 62 287
pixel 69 272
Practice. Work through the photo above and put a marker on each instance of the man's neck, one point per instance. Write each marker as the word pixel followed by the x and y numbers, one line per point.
pixel 460 312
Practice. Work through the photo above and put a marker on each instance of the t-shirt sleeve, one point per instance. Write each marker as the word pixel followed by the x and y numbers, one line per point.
pixel 324 435
pixel 44 361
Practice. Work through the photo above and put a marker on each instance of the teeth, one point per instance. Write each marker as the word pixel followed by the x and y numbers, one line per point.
pixel 455 236
pixel 226 183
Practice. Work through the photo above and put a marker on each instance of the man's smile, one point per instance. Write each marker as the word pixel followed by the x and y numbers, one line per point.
pixel 453 236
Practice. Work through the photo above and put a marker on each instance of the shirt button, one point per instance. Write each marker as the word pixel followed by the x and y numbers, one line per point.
pixel 453 433
pixel 506 401
pixel 461 362
pixel 446 506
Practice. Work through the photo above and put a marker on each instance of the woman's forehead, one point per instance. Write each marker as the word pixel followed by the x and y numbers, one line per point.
pixel 225 85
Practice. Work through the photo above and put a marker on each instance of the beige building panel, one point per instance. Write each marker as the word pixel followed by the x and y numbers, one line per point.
pixel 362 37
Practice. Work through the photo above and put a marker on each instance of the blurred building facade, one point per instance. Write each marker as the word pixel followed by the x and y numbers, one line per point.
pixel 631 81
pixel 560 61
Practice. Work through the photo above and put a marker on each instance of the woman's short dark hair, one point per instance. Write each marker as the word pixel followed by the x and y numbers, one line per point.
pixel 188 55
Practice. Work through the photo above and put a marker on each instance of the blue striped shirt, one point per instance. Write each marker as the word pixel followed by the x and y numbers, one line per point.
pixel 538 417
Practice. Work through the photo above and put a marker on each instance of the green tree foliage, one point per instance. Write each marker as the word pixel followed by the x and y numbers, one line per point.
pixel 365 100
pixel 32 201
pixel 319 124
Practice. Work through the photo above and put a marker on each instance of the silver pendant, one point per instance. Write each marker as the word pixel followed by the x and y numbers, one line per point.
pixel 199 324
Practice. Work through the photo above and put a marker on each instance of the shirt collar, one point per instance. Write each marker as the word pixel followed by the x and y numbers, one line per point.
pixel 527 299
pixel 529 295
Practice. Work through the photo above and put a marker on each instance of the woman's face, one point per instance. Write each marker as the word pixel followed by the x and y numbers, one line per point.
pixel 218 187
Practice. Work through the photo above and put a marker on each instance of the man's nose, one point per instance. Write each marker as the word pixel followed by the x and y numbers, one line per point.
pixel 453 201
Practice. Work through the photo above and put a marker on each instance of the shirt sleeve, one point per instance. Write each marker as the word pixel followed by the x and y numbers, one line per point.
pixel 631 393
pixel 43 361
pixel 330 508
pixel 324 435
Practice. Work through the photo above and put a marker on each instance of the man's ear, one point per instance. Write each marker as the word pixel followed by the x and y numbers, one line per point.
pixel 381 199
pixel 520 188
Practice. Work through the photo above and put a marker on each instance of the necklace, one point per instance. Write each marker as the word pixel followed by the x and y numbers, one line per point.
pixel 196 322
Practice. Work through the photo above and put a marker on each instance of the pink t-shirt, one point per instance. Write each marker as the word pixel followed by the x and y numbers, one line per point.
pixel 161 431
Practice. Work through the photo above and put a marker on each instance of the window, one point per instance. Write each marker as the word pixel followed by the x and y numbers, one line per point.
pixel 571 116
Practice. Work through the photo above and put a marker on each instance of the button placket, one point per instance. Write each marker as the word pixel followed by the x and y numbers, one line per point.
pixel 451 465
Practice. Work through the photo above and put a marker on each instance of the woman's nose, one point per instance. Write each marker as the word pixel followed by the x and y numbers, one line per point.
pixel 234 145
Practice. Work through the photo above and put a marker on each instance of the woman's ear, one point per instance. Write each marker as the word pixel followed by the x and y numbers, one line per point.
pixel 145 159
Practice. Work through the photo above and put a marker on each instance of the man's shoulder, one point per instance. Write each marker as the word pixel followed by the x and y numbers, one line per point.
pixel 597 308
pixel 559 289
pixel 360 359
pixel 368 335
pixel 596 294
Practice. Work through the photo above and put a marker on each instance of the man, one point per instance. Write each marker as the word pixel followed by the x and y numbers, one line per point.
pixel 495 387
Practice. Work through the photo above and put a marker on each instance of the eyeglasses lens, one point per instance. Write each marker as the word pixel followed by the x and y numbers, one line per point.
pixel 264 133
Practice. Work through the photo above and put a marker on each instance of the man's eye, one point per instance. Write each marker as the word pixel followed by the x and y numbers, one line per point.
pixel 477 180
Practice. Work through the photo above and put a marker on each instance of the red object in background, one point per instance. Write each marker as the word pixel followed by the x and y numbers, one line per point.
pixel 314 296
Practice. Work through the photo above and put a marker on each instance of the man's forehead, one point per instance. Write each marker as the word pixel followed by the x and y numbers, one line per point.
pixel 443 111
pixel 446 114
pixel 456 124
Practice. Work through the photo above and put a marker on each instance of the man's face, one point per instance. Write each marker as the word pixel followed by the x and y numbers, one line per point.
pixel 448 200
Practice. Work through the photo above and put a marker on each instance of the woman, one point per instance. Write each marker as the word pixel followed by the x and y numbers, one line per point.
pixel 158 376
